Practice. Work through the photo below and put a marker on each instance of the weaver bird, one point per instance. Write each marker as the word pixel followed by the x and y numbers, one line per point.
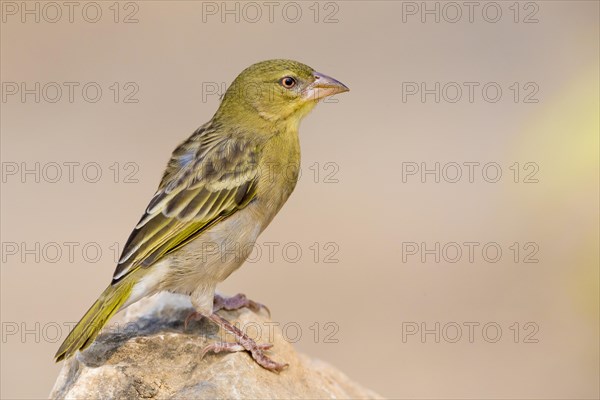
pixel 222 187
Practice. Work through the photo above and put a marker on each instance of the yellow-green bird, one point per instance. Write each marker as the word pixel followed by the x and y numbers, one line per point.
pixel 220 190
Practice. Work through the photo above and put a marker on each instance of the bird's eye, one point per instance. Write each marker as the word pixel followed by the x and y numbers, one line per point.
pixel 288 82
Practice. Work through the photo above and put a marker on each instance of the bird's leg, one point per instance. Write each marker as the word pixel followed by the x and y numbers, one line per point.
pixel 228 303
pixel 236 302
pixel 243 342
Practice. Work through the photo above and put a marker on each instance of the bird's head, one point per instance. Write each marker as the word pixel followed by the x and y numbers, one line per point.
pixel 277 91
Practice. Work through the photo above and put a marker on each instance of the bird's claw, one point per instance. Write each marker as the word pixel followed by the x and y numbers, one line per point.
pixel 256 352
pixel 267 363
pixel 194 315
pixel 219 347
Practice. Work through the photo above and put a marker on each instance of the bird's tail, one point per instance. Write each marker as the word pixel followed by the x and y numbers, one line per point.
pixel 86 330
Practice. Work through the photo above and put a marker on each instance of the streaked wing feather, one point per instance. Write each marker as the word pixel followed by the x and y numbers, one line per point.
pixel 218 181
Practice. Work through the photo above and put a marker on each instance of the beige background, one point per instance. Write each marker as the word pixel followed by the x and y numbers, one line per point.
pixel 370 294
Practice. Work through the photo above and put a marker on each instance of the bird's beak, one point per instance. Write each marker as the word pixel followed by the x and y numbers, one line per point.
pixel 324 86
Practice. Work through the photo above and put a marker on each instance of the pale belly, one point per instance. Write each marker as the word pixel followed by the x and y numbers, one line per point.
pixel 198 267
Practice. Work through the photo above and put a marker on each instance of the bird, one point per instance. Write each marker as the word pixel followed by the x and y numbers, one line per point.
pixel 221 188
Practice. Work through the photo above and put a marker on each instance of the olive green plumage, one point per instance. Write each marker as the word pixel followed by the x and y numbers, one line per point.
pixel 222 185
pixel 84 333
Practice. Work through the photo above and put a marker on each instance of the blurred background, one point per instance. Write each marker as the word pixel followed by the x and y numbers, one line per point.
pixel 442 241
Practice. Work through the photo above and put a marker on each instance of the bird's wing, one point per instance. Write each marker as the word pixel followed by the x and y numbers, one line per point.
pixel 209 177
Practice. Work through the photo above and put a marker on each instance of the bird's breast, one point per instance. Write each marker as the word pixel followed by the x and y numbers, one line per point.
pixel 279 168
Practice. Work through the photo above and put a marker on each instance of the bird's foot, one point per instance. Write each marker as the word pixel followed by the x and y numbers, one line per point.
pixel 236 302
pixel 219 347
pixel 194 316
pixel 243 343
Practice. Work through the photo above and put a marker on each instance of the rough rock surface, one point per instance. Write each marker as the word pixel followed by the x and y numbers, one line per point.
pixel 149 355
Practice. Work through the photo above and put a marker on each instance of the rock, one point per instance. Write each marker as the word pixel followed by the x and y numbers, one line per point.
pixel 149 355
